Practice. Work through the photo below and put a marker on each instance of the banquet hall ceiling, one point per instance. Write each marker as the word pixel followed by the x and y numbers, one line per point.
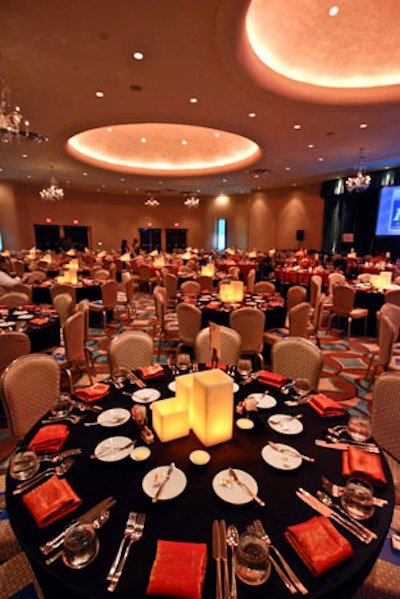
pixel 230 95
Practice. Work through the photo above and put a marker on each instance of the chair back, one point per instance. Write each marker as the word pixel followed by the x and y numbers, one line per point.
pixel 130 286
pixel 112 271
pixel 234 272
pixel 109 290
pixel 131 349
pixel 190 288
pixel 23 288
pixel 36 276
pixel 264 287
pixel 189 323
pixel 14 299
pixel 230 346
pixel 334 279
pixel 295 295
pixel 29 386
pixel 12 345
pixel 63 304
pixel 299 317
pixel 206 283
pixel 392 311
pixel 83 306
pixel 295 357
pixel 343 299
pixel 393 297
pixel 58 288
pixel 364 277
pixel 145 272
pixel 100 273
pixel 250 324
pixel 171 284
pixel 158 289
pixel 250 280
pixel 386 338
pixel 74 337
pixel 317 315
pixel 385 421
pixel 315 289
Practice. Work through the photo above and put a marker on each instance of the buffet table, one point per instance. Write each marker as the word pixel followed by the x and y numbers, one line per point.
pixel 188 517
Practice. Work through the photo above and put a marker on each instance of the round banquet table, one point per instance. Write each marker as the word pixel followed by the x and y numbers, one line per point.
pixel 189 517
pixel 90 291
pixel 41 335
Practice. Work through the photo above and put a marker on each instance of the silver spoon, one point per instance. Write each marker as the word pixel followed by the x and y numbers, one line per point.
pixel 232 540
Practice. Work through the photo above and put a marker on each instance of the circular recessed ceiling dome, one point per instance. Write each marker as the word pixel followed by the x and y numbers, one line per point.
pixel 163 149
pixel 355 50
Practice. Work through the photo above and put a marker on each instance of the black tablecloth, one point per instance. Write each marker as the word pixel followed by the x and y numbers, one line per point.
pixel 373 300
pixel 41 336
pixel 189 517
pixel 41 294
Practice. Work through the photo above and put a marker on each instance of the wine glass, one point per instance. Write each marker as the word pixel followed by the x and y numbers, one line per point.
pixel 62 405
pixel 358 499
pixel 359 427
pixel 24 464
pixel 253 566
pixel 80 545
pixel 183 363
pixel 244 367
pixel 119 376
pixel 302 387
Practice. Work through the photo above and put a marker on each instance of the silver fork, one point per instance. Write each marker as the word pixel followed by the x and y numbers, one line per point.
pixel 292 576
pixel 73 418
pixel 129 528
pixel 135 536
pixel 59 470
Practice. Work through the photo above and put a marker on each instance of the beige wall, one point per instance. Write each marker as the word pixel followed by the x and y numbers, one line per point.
pixel 260 219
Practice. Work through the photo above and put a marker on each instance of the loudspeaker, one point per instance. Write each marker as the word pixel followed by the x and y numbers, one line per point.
pixel 300 235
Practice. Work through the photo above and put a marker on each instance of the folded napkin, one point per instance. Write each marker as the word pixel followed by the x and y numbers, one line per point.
pixel 205 292
pixel 274 303
pixel 31 307
pixel 151 372
pixel 49 438
pixel 318 544
pixel 356 461
pixel 213 306
pixel 92 393
pixel 220 366
pixel 51 500
pixel 325 406
pixel 272 379
pixel 178 570
pixel 39 321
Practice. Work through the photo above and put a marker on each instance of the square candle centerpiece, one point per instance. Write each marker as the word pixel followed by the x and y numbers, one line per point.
pixel 170 419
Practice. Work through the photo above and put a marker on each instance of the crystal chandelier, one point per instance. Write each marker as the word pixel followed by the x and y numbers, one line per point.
pixel 360 181
pixel 52 193
pixel 192 202
pixel 152 202
pixel 13 125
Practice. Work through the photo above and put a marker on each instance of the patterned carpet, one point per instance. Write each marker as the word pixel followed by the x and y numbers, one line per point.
pixel 345 361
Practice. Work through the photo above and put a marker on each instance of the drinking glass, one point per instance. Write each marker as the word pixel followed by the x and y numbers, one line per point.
pixel 252 560
pixel 80 545
pixel 24 464
pixel 359 427
pixel 62 405
pixel 358 499
pixel 244 367
pixel 119 376
pixel 183 363
pixel 302 386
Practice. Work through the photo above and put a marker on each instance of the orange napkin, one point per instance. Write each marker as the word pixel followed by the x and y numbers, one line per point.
pixel 51 500
pixel 220 366
pixel 356 461
pixel 318 544
pixel 151 372
pixel 39 321
pixel 272 379
pixel 92 393
pixel 49 438
pixel 205 292
pixel 326 407
pixel 31 307
pixel 178 570
pixel 213 306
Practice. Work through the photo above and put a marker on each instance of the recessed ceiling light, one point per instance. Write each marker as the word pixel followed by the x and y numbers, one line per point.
pixel 287 168
pixel 138 55
pixel 252 115
pixel 1 169
pixel 100 94
pixel 193 100
pixel 24 155
pixel 27 176
pixel 143 140
pixel 184 142
pixel 217 135
pixel 109 129
pixel 224 180
pixel 294 184
pixel 84 174
pixel 310 146
pixel 122 180
pixel 363 126
pixel 320 159
pixel 333 11
pixel 296 127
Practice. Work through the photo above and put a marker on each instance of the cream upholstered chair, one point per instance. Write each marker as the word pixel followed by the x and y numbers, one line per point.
pixel 315 289
pixel 190 288
pixel 131 349
pixel 171 285
pixel 295 295
pixel 250 280
pixel 264 287
pixel 14 299
pixel 206 283
pixel 295 357
pixel 393 297
pixel 315 323
pixel 364 277
pixel 382 357
pixel 58 288
pixel 100 274
pixel 146 278
pixel 230 346
pixel 189 324
pixel 125 297
pixel 36 276
pixel 29 386
pixel 109 290
pixel 299 318
pixel 12 345
pixel 343 307
pixel 250 324
pixel 23 288
pixel 167 324
pixel 83 306
pixel 234 272
pixel 17 578
pixel 334 278
pixel 63 304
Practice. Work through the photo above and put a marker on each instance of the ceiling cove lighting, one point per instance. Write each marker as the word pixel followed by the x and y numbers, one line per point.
pixel 361 181
pixel 13 125
pixel 53 193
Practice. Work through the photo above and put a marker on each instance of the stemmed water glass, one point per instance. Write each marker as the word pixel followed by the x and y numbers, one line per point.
pixel 302 387
pixel 244 367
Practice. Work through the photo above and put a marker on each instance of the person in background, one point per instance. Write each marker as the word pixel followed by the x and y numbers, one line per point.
pixel 135 247
pixel 125 249
pixel 6 281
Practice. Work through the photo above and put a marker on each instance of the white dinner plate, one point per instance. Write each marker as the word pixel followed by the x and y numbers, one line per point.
pixel 113 417
pixel 146 395
pixel 280 460
pixel 264 401
pixel 113 449
pixel 25 317
pixel 20 312
pixel 235 387
pixel 230 491
pixel 7 323
pixel 172 488
pixel 281 423
pixel 172 386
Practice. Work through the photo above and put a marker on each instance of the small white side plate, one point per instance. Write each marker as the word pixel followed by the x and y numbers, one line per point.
pixel 264 401
pixel 280 460
pixel 110 450
pixel 282 424
pixel 172 488
pixel 113 417
pixel 230 491
pixel 146 395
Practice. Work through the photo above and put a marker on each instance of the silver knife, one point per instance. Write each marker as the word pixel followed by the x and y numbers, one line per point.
pixel 112 450
pixel 237 480
pixel 58 457
pixel 224 557
pixel 345 446
pixel 86 517
pixel 216 553
pixel 163 482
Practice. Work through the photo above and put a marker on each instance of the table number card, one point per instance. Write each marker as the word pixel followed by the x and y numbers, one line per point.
pixel 215 338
